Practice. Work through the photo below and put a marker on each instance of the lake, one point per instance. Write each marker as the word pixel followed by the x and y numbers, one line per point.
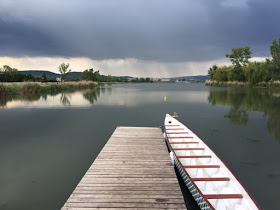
pixel 47 142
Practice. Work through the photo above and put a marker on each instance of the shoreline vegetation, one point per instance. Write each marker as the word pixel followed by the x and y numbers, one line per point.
pixel 15 83
pixel 270 84
pixel 244 73
pixel 43 88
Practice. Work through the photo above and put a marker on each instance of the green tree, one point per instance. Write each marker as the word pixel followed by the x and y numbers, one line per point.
pixel 135 80
pixel 256 72
pixel 240 56
pixel 275 53
pixel 9 74
pixel 7 68
pixel 212 71
pixel 90 75
pixel 96 76
pixel 221 74
pixel 87 75
pixel 236 74
pixel 44 77
pixel 64 71
pixel 29 77
pixel 148 80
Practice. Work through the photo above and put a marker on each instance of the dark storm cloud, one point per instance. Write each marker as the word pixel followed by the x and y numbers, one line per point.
pixel 19 39
pixel 159 30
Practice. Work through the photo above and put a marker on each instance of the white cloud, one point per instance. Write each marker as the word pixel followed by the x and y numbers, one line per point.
pixel 115 67
pixel 118 67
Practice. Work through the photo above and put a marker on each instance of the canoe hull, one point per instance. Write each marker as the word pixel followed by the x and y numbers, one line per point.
pixel 208 179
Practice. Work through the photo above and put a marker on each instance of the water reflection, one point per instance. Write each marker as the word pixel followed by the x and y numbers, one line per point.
pixel 65 99
pixel 241 101
pixel 237 116
pixel 92 95
pixel 120 95
pixel 83 98
pixel 76 135
pixel 4 100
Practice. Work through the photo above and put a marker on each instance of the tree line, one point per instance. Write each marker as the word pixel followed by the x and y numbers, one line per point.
pixel 142 80
pixel 91 75
pixel 9 74
pixel 243 70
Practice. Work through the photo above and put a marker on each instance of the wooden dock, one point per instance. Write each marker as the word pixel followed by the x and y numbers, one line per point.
pixel 133 171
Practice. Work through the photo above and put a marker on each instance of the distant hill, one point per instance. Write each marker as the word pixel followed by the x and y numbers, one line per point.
pixel 192 78
pixel 77 75
pixel 38 73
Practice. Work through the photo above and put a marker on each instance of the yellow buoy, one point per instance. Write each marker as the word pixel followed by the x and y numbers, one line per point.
pixel 165 98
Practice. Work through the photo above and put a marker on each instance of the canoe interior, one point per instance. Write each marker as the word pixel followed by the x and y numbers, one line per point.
pixel 209 180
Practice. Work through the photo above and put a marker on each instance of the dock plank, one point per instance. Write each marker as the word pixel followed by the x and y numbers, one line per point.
pixel 133 171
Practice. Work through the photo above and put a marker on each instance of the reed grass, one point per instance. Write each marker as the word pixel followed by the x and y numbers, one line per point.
pixel 273 84
pixel 40 88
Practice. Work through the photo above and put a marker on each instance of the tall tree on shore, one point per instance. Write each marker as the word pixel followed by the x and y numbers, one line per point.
pixel 212 71
pixel 240 56
pixel 44 77
pixel 275 53
pixel 64 71
pixel 90 75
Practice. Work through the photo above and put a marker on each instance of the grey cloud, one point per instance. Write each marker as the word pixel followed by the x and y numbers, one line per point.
pixel 158 30
pixel 17 39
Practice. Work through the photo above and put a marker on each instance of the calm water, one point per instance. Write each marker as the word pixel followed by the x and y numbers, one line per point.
pixel 48 142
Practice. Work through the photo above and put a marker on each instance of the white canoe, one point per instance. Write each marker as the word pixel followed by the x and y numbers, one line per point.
pixel 209 180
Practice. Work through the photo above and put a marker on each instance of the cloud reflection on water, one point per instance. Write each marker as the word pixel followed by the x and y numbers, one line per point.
pixel 107 96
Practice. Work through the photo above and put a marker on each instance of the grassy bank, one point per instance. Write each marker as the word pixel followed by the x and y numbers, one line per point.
pixel 274 84
pixel 41 88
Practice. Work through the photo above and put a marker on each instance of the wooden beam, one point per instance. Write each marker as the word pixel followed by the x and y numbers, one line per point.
pixel 189 148
pixel 202 166
pixel 195 156
pixel 208 179
pixel 224 196
pixel 172 125
pixel 175 129
pixel 186 142
pixel 180 137
pixel 178 133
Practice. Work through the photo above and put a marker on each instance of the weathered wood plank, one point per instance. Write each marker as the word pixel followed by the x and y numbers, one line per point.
pixel 135 185
pixel 128 175
pixel 117 196
pixel 128 200
pixel 126 205
pixel 133 170
pixel 93 181
pixel 137 161
pixel 89 208
pixel 129 187
pixel 128 192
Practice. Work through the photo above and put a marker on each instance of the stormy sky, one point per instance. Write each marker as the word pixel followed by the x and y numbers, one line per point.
pixel 134 37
